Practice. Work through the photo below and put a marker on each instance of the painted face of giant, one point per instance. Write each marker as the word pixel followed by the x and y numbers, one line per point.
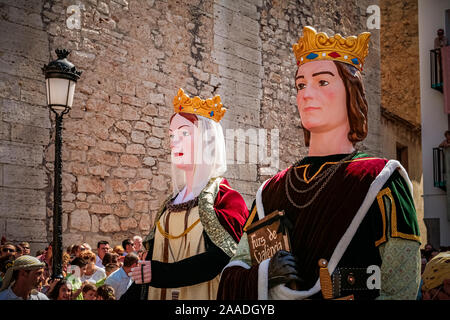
pixel 321 97
pixel 181 133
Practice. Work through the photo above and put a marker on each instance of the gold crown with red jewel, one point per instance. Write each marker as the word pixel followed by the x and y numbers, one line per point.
pixel 209 108
pixel 314 46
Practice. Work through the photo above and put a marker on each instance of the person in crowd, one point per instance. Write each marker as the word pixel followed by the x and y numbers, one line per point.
pixel 128 246
pixel 423 263
pixel 8 249
pixel 441 40
pixel 111 267
pixel 446 142
pixel 137 240
pixel 60 289
pixel 25 247
pixel 5 262
pixel 19 250
pixel 119 279
pixel 139 248
pixel 106 292
pixel 199 225
pixel 76 251
pixel 48 281
pixel 428 249
pixel 110 257
pixel 349 215
pixel 46 257
pixel 86 246
pixel 89 291
pixel 65 263
pixel 434 253
pixel 93 273
pixel 69 249
pixel 78 269
pixel 8 254
pixel 119 250
pixel 102 249
pixel 22 279
pixel 436 278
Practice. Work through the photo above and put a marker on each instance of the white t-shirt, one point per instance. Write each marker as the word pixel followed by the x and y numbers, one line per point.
pixel 8 294
pixel 95 277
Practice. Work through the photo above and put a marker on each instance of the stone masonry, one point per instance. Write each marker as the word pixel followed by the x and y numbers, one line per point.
pixel 134 56
pixel 400 94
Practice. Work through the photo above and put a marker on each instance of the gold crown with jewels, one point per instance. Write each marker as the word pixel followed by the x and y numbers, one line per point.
pixel 315 46
pixel 209 108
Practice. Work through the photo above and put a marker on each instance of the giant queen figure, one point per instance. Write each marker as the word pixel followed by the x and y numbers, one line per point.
pixel 199 225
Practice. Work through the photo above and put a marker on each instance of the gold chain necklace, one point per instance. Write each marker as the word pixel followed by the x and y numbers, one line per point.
pixel 185 206
pixel 169 236
pixel 328 174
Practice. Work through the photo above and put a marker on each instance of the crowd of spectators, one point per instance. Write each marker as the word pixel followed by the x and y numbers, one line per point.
pixel 103 273
pixel 87 274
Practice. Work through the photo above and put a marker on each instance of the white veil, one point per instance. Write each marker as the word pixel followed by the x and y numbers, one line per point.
pixel 209 157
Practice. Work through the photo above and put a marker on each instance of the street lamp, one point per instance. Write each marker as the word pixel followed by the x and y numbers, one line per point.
pixel 60 79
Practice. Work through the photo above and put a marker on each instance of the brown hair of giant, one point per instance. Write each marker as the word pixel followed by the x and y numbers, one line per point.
pixel 357 106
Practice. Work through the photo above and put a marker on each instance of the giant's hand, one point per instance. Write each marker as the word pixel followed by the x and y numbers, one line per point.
pixel 142 273
pixel 282 269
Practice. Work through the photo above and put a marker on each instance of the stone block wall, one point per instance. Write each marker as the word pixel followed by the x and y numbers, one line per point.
pixel 25 126
pixel 400 74
pixel 134 56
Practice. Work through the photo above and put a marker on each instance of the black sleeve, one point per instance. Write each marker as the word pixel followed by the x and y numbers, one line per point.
pixel 197 269
pixel 136 292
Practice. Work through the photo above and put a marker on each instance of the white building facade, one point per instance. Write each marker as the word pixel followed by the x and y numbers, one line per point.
pixel 432 16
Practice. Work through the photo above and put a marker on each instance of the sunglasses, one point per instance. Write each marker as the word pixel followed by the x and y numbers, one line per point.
pixel 8 250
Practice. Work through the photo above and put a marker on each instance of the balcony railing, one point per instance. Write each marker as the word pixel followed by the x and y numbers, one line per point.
pixel 439 168
pixel 436 70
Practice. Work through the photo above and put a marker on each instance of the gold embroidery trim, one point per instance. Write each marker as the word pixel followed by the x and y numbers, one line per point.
pixel 380 195
pixel 224 185
pixel 210 222
pixel 395 232
pixel 169 236
pixel 250 219
pixel 321 167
